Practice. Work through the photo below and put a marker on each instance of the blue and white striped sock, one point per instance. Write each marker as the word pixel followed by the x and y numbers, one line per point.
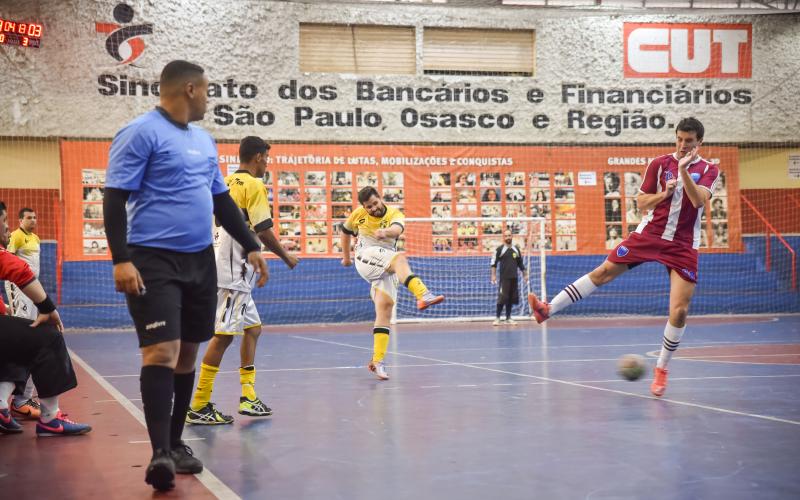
pixel 580 289
pixel 672 338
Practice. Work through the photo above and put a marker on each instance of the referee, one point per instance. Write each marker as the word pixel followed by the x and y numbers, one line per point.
pixel 162 185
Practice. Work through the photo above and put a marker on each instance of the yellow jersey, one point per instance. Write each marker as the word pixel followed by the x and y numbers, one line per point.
pixel 250 195
pixel 26 246
pixel 362 224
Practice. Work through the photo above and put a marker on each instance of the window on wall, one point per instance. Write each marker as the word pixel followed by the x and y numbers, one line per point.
pixel 360 49
pixel 456 51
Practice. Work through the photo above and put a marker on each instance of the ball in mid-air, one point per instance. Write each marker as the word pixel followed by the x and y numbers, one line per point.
pixel 631 367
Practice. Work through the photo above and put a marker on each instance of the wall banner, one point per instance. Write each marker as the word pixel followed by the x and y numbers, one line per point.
pixel 314 187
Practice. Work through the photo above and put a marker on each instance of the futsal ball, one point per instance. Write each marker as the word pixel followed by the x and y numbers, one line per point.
pixel 631 367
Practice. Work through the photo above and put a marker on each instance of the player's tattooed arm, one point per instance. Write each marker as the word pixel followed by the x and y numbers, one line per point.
pixel 648 201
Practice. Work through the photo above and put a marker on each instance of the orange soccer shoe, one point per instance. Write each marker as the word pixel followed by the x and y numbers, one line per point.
pixel 29 410
pixel 659 384
pixel 541 310
pixel 428 300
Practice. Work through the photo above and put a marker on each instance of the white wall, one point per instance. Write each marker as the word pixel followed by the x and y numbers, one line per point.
pixel 54 90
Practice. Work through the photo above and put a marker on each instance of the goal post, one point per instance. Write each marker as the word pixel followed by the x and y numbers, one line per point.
pixel 452 255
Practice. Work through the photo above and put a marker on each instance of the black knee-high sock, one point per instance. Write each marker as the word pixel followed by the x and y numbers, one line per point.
pixel 157 384
pixel 184 383
pixel 499 309
pixel 509 305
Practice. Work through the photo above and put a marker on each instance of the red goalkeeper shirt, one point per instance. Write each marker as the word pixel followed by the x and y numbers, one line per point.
pixel 15 270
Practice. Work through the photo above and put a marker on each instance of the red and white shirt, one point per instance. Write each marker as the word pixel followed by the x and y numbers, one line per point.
pixel 675 219
pixel 15 270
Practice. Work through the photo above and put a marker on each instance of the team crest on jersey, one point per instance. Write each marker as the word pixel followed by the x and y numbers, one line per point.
pixel 668 176
pixel 622 251
pixel 695 176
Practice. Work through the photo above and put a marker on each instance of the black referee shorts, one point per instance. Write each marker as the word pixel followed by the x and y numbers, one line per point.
pixel 41 351
pixel 508 291
pixel 181 297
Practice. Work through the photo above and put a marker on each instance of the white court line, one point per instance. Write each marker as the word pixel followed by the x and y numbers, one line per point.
pixel 708 359
pixel 206 478
pixel 600 346
pixel 652 354
pixel 309 369
pixel 614 380
pixel 418 365
pixel 720 377
pixel 566 382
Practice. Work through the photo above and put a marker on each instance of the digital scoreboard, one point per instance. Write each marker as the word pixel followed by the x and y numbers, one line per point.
pixel 19 33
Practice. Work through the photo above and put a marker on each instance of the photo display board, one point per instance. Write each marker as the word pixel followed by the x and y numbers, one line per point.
pixel 587 195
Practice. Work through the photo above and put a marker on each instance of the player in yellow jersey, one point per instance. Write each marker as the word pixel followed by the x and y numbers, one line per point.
pixel 236 310
pixel 378 227
pixel 24 243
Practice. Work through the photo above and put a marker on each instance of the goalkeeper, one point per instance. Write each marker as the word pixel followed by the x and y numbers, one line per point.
pixel 378 227
pixel 509 257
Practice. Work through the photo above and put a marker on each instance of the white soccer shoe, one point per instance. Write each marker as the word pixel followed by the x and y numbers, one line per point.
pixel 511 322
pixel 379 369
pixel 498 322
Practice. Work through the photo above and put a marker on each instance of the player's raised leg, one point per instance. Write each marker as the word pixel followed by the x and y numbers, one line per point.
pixel 680 295
pixel 384 302
pixel 577 290
pixel 425 298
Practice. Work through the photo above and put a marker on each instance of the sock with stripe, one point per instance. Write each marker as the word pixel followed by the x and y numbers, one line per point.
pixel 380 340
pixel 247 377
pixel 672 338
pixel 416 286
pixel 205 386
pixel 580 289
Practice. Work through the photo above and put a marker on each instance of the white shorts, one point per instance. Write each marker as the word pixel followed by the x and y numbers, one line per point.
pixel 371 264
pixel 21 305
pixel 236 311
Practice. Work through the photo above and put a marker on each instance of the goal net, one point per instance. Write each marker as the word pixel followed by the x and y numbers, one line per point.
pixel 452 255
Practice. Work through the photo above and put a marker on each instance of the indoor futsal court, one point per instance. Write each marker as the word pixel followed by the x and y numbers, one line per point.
pixel 517 249
pixel 469 412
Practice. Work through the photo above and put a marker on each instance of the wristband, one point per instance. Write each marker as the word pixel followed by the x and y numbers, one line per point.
pixel 46 306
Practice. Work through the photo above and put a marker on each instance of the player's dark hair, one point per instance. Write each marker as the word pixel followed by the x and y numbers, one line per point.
pixel 2 207
pixel 179 72
pixel 691 124
pixel 26 209
pixel 366 193
pixel 250 147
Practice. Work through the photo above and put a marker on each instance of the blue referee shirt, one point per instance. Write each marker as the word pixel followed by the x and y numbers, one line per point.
pixel 172 173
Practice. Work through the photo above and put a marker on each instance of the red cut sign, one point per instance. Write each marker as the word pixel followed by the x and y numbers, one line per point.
pixel 687 50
